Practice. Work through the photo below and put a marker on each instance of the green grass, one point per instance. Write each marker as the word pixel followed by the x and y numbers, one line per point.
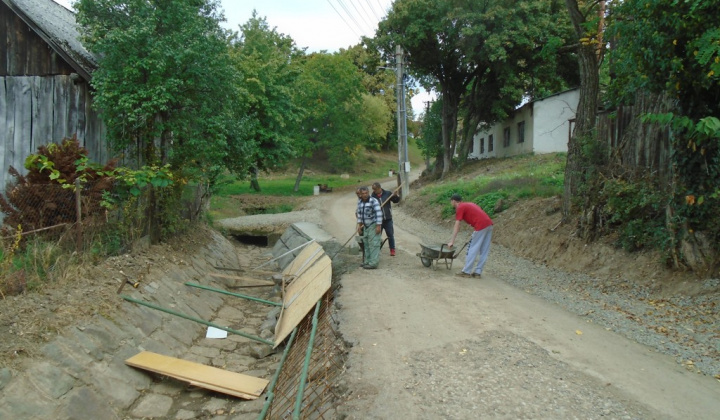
pixel 526 177
pixel 373 167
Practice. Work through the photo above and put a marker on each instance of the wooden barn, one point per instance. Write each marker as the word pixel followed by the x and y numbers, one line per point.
pixel 45 93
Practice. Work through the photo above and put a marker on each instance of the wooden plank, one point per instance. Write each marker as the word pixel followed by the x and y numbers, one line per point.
pixel 208 377
pixel 302 295
pixel 6 128
pixel 243 279
pixel 305 259
pixel 42 121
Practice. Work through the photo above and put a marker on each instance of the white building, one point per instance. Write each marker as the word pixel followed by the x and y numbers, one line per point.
pixel 541 126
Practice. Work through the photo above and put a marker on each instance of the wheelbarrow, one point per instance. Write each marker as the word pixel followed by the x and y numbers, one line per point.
pixel 434 253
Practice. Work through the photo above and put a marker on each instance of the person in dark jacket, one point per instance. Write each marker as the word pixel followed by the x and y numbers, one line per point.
pixel 386 197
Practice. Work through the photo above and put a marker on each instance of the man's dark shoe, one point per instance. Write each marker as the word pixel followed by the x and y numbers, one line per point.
pixel 464 275
pixel 368 267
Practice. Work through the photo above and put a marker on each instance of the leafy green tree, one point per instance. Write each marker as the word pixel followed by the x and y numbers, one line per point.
pixel 376 120
pixel 482 57
pixel 330 91
pixel 519 44
pixel 430 139
pixel 379 81
pixel 268 65
pixel 432 37
pixel 165 85
pixel 586 20
pixel 672 48
pixel 668 46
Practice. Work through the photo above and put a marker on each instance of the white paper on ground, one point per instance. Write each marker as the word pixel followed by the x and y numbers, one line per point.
pixel 213 332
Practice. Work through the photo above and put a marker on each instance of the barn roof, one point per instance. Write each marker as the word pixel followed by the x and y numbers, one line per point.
pixel 57 26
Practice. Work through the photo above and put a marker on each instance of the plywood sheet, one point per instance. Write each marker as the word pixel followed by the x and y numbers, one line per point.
pixel 208 377
pixel 307 257
pixel 302 295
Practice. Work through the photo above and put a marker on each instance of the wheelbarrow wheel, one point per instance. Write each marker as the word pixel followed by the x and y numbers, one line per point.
pixel 427 262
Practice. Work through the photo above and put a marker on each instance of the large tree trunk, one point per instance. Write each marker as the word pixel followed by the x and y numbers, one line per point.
pixel 586 111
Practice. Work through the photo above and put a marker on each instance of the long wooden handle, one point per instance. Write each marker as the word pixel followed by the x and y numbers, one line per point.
pixel 393 193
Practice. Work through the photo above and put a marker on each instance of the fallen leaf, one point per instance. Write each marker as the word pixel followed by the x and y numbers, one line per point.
pixel 578 332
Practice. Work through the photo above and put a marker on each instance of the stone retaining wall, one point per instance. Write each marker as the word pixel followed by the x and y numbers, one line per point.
pixel 81 373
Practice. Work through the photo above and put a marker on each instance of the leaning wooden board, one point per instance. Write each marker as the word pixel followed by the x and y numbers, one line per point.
pixel 208 377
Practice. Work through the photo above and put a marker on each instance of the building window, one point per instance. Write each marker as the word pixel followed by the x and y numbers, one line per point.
pixel 472 147
pixel 506 137
pixel 490 143
pixel 482 145
pixel 521 132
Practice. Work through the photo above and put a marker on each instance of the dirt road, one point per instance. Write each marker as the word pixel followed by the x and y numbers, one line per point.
pixel 427 345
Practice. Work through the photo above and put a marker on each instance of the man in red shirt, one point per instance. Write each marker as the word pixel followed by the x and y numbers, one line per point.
pixel 479 246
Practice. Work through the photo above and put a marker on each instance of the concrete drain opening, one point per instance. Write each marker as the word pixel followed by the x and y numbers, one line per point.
pixel 254 240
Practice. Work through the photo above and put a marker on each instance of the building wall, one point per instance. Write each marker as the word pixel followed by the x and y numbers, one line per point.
pixel 552 121
pixel 42 100
pixel 26 53
pixel 547 125
pixel 37 110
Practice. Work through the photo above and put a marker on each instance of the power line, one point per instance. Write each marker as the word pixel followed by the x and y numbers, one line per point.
pixel 359 14
pixel 384 9
pixel 372 8
pixel 341 17
pixel 350 15
pixel 370 18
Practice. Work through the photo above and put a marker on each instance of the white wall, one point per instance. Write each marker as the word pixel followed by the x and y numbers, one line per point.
pixel 546 128
pixel 551 118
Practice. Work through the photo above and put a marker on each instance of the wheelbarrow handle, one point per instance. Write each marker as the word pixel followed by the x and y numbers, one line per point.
pixel 460 250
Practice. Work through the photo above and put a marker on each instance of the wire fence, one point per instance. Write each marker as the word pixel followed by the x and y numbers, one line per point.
pixel 306 384
pixel 89 218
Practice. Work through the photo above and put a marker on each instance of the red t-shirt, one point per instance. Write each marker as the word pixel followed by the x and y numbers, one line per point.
pixel 473 215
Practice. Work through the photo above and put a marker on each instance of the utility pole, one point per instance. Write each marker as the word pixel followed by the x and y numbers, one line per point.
pixel 403 161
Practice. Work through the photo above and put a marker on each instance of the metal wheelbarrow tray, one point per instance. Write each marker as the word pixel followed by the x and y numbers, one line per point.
pixel 437 252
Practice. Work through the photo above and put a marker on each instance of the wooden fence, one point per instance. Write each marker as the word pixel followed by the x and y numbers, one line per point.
pixel 634 144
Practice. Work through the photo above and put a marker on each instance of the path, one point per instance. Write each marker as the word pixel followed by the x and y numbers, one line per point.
pixel 431 345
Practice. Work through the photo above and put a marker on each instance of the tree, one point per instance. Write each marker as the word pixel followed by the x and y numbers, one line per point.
pixel 589 54
pixel 330 91
pixel 430 140
pixel 268 65
pixel 432 37
pixel 672 49
pixel 483 57
pixel 379 82
pixel 165 85
pixel 519 46
pixel 376 120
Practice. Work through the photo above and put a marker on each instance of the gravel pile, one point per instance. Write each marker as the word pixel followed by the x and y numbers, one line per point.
pixel 687 328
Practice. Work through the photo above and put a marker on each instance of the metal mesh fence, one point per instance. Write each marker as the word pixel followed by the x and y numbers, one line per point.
pixel 53 212
pixel 87 218
pixel 318 392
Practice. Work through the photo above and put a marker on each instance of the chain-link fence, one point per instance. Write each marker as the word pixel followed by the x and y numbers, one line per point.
pixel 84 218
pixel 305 386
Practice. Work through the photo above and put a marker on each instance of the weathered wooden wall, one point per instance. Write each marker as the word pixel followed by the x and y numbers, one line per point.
pixel 42 98
pixel 634 144
pixel 25 52
pixel 36 110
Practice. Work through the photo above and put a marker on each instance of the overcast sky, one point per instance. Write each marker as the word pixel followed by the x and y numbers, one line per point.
pixel 316 24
